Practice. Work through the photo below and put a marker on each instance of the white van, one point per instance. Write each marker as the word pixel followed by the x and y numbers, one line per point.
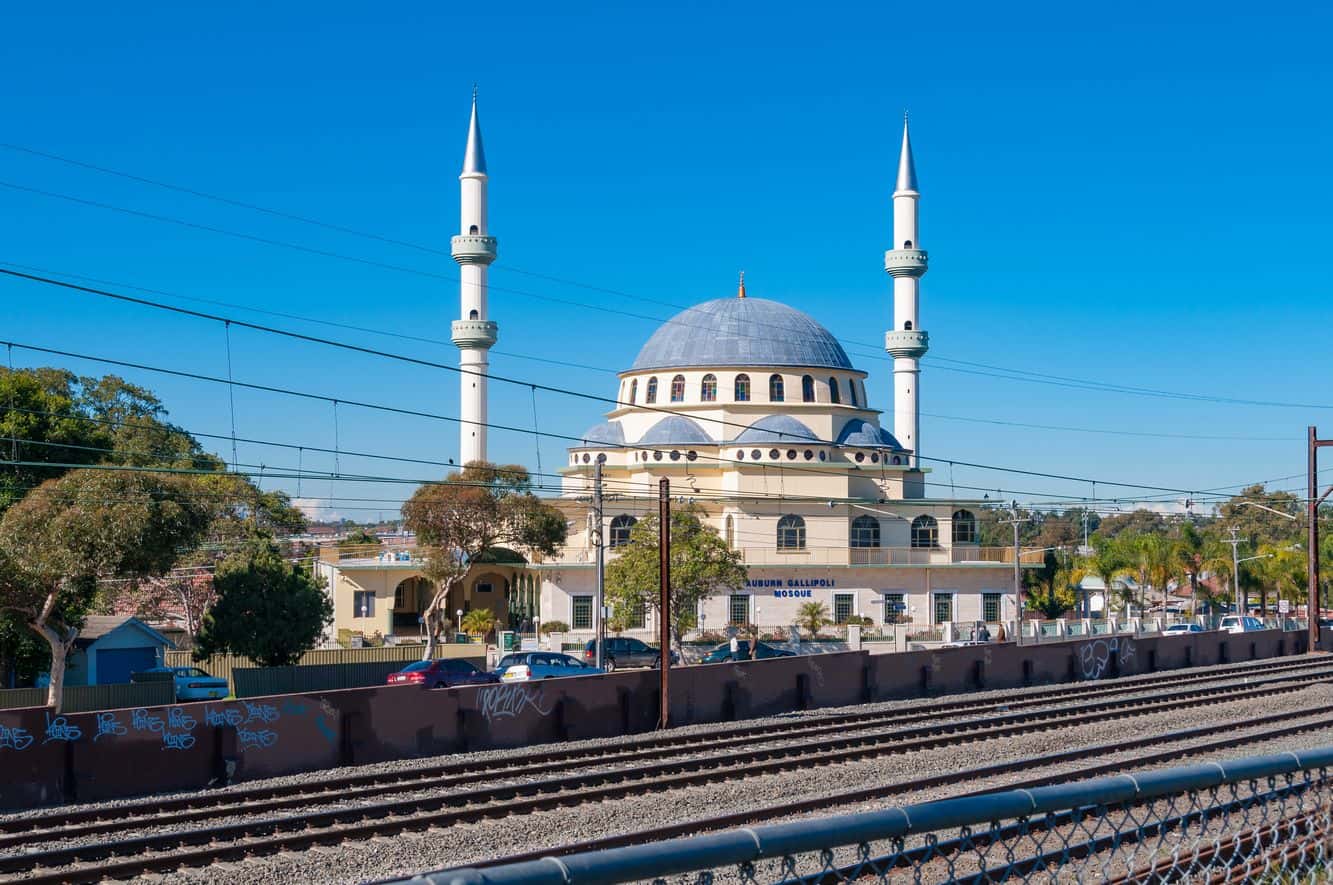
pixel 1240 624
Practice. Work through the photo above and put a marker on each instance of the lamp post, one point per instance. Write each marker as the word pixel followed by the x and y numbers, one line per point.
pixel 459 615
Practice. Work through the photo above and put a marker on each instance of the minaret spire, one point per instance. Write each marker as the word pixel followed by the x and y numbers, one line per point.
pixel 740 291
pixel 906 342
pixel 473 333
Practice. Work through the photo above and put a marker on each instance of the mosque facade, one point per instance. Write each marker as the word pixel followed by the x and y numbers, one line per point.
pixel 761 423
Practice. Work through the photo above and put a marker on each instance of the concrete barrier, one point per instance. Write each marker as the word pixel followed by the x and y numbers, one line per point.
pixel 47 759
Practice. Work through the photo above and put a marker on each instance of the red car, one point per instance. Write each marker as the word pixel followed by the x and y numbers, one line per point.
pixel 443 673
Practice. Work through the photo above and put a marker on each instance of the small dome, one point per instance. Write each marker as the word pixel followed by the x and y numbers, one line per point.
pixel 862 433
pixel 741 332
pixel 608 433
pixel 777 429
pixel 675 430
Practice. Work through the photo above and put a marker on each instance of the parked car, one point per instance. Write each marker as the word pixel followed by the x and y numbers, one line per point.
pixel 442 673
pixel 528 665
pixel 762 650
pixel 191 683
pixel 1240 624
pixel 625 651
pixel 1182 629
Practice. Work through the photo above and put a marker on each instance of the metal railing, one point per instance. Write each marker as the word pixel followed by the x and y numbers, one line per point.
pixel 1264 818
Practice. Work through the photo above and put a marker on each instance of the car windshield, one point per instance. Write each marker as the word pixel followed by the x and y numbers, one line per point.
pixel 195 671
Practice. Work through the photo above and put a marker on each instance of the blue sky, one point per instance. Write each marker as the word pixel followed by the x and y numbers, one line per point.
pixel 1134 194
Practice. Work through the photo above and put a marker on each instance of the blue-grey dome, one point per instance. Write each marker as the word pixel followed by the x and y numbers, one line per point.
pixel 862 433
pixel 608 433
pixel 675 430
pixel 741 332
pixel 777 429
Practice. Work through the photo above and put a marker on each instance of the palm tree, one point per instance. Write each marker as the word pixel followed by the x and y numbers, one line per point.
pixel 1155 564
pixel 812 616
pixel 1109 562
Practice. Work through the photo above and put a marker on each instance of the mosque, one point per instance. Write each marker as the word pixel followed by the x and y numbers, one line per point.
pixel 756 416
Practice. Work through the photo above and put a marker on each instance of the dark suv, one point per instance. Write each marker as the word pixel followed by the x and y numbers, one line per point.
pixel 622 651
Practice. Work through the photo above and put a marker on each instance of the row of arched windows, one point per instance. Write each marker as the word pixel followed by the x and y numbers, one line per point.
pixel 741 389
pixel 865 532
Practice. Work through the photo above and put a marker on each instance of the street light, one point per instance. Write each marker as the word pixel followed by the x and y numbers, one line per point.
pixel 459 613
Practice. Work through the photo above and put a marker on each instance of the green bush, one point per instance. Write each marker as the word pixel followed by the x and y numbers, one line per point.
pixel 549 627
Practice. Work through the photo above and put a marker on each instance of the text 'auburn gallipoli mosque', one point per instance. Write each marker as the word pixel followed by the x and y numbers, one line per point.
pixel 752 409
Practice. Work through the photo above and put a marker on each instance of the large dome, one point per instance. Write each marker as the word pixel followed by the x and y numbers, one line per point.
pixel 741 332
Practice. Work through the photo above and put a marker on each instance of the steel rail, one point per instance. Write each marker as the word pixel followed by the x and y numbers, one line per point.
pixel 387 818
pixel 189 808
pixel 847 736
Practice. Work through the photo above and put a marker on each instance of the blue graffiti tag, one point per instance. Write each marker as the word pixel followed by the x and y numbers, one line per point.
pixel 59 729
pixel 108 724
pixel 143 722
pixel 13 738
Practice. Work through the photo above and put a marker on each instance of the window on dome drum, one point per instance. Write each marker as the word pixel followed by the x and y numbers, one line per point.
pixel 943 608
pixel 964 527
pixel 708 389
pixel 620 529
pixel 650 395
pixel 742 388
pixel 582 619
pixel 907 244
pixel 738 609
pixel 791 532
pixel 807 389
pixel 472 314
pixel 865 532
pixel 895 609
pixel 851 392
pixel 907 326
pixel 472 230
pixel 925 532
pixel 842 607
pixel 775 389
pixel 633 390
pixel 678 389
pixel 833 396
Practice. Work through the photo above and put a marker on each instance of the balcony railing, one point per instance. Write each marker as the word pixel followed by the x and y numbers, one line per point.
pixel 960 555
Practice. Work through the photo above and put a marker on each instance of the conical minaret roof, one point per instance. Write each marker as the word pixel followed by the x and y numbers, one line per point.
pixel 474 159
pixel 906 168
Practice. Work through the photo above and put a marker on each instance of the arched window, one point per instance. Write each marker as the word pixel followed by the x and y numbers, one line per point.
pixel 791 532
pixel 775 389
pixel 907 244
pixel 678 389
pixel 907 326
pixel 851 391
pixel 620 527
pixel 865 532
pixel 708 389
pixel 729 531
pixel 925 532
pixel 472 230
pixel 650 396
pixel 742 388
pixel 833 396
pixel 472 314
pixel 807 389
pixel 633 390
pixel 964 527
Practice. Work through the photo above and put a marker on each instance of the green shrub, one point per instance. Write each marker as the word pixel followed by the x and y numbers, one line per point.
pixel 549 627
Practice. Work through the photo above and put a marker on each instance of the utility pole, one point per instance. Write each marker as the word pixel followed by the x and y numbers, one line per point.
pixel 1313 500
pixel 599 541
pixel 1018 568
pixel 664 606
pixel 1235 573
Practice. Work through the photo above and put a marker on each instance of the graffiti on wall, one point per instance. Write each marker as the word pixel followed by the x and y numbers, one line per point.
pixel 507 701
pixel 1095 657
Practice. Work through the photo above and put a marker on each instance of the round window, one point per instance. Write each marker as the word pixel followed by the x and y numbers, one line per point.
pixel 740 454
pixel 586 458
pixel 791 454
pixel 809 455
pixel 601 458
pixel 773 454
pixel 675 456
pixel 822 456
pixel 691 455
pixel 860 456
pixel 874 457
pixel 756 454
pixel 657 456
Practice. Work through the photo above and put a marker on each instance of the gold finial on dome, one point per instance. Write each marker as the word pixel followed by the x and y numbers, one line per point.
pixel 740 293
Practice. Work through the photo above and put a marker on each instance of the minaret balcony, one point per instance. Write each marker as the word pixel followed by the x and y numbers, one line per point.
pixel 473 249
pixel 906 343
pixel 475 333
pixel 905 262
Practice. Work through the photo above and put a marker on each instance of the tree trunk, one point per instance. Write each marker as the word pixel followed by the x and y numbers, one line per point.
pixel 435 616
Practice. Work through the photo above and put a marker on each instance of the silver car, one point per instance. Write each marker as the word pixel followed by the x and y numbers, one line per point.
pixel 528 665
pixel 1240 624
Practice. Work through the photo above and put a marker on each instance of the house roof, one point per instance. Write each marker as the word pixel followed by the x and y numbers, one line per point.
pixel 97 626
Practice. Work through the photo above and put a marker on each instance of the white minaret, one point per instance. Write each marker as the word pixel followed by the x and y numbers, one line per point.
pixel 473 333
pixel 906 342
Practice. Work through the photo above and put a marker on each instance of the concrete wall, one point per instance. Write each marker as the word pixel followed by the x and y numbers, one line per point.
pixel 88 756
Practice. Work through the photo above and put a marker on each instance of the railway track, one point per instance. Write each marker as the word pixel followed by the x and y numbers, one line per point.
pixel 652 768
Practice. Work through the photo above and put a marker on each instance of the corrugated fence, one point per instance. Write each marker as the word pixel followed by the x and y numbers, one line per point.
pixel 81 698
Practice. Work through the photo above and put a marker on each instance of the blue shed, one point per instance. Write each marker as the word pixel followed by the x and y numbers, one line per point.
pixel 111 647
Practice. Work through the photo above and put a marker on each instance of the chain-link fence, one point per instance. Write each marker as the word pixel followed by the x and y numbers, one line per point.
pixel 1263 819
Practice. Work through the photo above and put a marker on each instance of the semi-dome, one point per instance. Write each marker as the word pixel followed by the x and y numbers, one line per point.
pixel 777 429
pixel 741 332
pixel 608 433
pixel 675 430
pixel 862 433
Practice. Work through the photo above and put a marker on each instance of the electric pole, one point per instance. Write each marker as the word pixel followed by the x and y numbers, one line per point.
pixel 599 541
pixel 1018 568
pixel 664 606
pixel 1313 500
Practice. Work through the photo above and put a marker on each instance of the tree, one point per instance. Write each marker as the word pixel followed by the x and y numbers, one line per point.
pixel 269 610
pixel 472 511
pixel 42 424
pixel 1051 588
pixel 1154 563
pixel 1110 561
pixel 479 622
pixel 1260 526
pixel 361 542
pixel 812 616
pixel 85 527
pixel 1284 570
pixel 701 565
pixel 1136 522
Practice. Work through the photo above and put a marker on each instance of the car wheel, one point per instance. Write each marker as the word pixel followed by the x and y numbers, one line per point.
pixel 609 665
pixel 657 662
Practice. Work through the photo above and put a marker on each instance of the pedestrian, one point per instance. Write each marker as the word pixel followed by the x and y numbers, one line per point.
pixel 983 635
pixel 735 648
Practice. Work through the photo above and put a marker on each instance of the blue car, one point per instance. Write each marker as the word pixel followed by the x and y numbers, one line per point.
pixel 193 684
pixel 528 665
